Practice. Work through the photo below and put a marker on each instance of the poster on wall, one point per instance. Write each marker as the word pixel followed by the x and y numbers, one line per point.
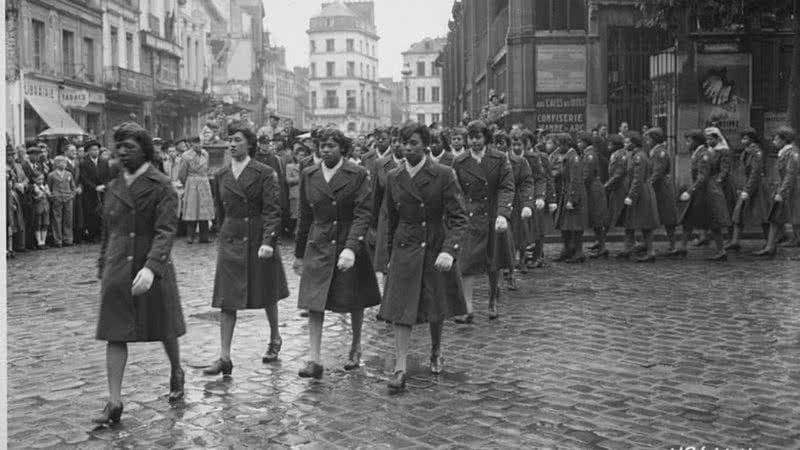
pixel 725 93
pixel 560 68
pixel 561 112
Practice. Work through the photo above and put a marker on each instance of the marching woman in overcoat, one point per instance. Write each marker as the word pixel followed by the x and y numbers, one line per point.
pixel 786 199
pixel 488 186
pixel 528 197
pixel 617 185
pixel 426 223
pixel 249 272
pixel 707 208
pixel 521 210
pixel 542 176
pixel 331 256
pixel 381 167
pixel 641 212
pixel 596 201
pixel 661 181
pixel 139 299
pixel 752 208
pixel 572 216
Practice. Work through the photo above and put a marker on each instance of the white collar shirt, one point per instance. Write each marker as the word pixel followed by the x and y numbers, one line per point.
pixel 328 173
pixel 237 167
pixel 414 170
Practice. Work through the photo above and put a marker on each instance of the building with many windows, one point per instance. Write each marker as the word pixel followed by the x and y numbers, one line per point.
pixel 343 65
pixel 423 84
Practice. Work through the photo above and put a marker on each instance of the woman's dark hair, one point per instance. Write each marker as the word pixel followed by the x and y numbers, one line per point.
pixel 616 141
pixel 241 127
pixel 479 127
pixel 458 131
pixel 132 130
pixel 345 144
pixel 411 128
pixel 697 137
pixel 501 135
pixel 656 134
pixel 586 137
pixel 635 137
pixel 565 140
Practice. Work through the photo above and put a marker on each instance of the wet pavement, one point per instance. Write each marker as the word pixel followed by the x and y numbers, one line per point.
pixel 605 355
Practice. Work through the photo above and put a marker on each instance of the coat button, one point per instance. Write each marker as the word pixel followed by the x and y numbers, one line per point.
pixel 132 234
pixel 244 238
pixel 335 222
pixel 422 205
pixel 333 242
pixel 423 223
pixel 470 214
pixel 130 257
pixel 246 219
pixel 333 203
pixel 423 245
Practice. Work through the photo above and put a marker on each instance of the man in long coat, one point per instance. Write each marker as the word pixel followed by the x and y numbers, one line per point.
pixel 94 173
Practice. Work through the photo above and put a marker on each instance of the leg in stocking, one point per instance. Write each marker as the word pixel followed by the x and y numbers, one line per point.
pixel 315 321
pixel 402 340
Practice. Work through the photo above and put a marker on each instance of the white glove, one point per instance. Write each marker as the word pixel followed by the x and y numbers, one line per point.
pixel 100 188
pixel 570 206
pixel 444 262
pixel 539 203
pixel 143 282
pixel 500 224
pixel 527 213
pixel 628 201
pixel 265 252
pixel 778 198
pixel 744 196
pixel 346 260
pixel 553 207
pixel 685 197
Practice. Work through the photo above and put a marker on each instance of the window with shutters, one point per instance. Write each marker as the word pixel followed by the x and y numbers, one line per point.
pixel 420 95
pixel 68 53
pixel 37 30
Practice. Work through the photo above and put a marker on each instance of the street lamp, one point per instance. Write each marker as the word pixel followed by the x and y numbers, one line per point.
pixel 406 72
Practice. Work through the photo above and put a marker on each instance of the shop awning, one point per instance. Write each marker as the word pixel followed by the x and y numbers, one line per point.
pixel 54 115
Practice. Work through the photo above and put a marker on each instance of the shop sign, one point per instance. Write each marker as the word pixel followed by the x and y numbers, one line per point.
pixel 560 68
pixel 724 92
pixel 97 97
pixel 74 97
pixel 41 89
pixel 561 112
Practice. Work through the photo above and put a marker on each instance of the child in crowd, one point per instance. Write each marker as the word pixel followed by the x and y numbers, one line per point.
pixel 41 210
pixel 63 189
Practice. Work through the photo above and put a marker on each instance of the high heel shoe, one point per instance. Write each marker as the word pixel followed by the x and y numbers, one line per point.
pixel 111 414
pixel 599 254
pixel 625 254
pixel 353 360
pixel 721 256
pixel 437 362
pixel 176 382
pixel 577 259
pixel 311 370
pixel 398 383
pixel 272 352
pixel 766 252
pixel 735 246
pixel 511 283
pixel 224 366
pixel 677 252
pixel 494 293
pixel 647 259
pixel 466 319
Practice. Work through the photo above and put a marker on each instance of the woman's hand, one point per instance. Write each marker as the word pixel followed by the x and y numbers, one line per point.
pixel 500 224
pixel 143 281
pixel 346 260
pixel 265 252
pixel 685 197
pixel 444 262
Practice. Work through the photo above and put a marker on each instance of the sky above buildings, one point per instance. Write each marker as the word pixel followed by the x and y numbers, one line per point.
pixel 400 23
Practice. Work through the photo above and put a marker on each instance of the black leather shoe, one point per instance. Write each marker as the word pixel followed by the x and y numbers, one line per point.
pixel 398 383
pixel 353 361
pixel 311 370
pixel 594 246
pixel 721 256
pixel 647 259
pixel 639 248
pixel 623 254
pixel 176 382
pixel 437 362
pixel 220 366
pixel 599 254
pixel 677 252
pixel 701 242
pixel 561 257
pixel 111 414
pixel 735 246
pixel 511 283
pixel 789 243
pixel 577 259
pixel 464 319
pixel 272 352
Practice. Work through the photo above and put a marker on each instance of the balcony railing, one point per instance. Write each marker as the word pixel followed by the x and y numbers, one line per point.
pixel 128 81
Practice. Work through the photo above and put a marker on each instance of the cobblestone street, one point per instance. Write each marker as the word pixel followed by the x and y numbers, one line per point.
pixel 606 355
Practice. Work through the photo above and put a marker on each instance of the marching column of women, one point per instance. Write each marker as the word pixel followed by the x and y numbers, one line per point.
pixel 430 210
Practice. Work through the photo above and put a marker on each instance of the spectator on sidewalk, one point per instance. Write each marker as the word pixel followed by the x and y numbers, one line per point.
pixel 198 204
pixel 94 173
pixel 41 210
pixel 62 187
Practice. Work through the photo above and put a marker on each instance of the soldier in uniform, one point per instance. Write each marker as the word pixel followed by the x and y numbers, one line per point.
pixel 488 184
pixel 572 217
pixel 542 176
pixel 785 206
pixel 510 242
pixel 249 272
pixel 394 158
pixel 661 181
pixel 139 294
pixel 530 189
pixel 458 139
pixel 641 211
pixel 752 208
pixel 426 224
pixel 617 185
pixel 595 193
pixel 331 257
pixel 440 149
pixel 707 208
